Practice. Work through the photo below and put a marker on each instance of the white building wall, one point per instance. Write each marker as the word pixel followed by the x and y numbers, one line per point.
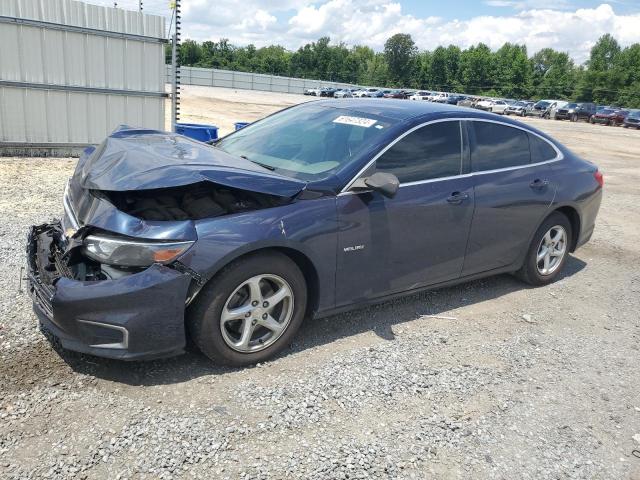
pixel 49 72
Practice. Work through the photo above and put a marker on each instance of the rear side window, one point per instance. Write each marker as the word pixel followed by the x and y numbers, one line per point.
pixel 541 151
pixel 498 146
pixel 433 151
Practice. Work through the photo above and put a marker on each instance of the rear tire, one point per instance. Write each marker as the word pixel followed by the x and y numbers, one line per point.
pixel 231 327
pixel 548 251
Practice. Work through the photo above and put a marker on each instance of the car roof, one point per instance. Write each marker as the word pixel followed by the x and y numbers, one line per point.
pixel 395 108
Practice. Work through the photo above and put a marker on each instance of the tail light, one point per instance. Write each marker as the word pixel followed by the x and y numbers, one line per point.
pixel 599 177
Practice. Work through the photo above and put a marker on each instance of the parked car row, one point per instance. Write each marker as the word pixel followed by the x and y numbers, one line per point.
pixel 546 108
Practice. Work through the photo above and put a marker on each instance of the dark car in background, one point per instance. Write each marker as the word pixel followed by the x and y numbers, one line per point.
pixel 327 91
pixel 402 94
pixel 632 120
pixel 576 111
pixel 313 210
pixel 455 99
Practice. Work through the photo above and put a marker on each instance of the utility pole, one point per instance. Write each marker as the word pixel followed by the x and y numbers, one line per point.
pixel 140 5
pixel 175 63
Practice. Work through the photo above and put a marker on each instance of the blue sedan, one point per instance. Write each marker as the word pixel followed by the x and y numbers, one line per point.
pixel 316 209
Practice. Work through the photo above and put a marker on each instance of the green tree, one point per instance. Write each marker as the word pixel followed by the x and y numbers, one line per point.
pixel 512 71
pixel 602 79
pixel 477 69
pixel 400 53
pixel 190 52
pixel 553 74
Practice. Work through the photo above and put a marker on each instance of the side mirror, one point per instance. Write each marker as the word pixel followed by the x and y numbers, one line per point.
pixel 385 183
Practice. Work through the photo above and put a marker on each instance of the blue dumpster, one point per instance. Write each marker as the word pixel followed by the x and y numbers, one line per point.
pixel 240 125
pixel 198 131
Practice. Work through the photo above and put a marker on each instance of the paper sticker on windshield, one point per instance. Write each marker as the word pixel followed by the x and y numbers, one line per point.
pixel 355 121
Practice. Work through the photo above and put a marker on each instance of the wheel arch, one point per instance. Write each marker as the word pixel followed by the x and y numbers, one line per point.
pixel 574 219
pixel 299 258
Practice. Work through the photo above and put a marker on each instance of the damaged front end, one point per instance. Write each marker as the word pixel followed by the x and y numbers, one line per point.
pixel 113 277
pixel 134 316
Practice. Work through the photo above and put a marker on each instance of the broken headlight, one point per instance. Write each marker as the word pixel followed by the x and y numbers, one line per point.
pixel 126 252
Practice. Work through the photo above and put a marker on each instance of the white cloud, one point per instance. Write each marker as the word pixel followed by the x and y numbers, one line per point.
pixel 370 22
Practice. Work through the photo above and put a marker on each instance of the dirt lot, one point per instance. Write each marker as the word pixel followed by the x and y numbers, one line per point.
pixel 490 379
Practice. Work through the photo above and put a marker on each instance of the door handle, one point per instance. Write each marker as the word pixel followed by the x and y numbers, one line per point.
pixel 538 184
pixel 457 198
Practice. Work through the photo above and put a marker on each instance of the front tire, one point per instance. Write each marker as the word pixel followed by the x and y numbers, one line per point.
pixel 548 251
pixel 250 311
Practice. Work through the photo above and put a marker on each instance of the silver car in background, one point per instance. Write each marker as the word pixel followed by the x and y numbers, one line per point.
pixel 519 108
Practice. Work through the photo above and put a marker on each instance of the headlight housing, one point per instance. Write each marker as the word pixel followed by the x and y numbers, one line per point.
pixel 126 252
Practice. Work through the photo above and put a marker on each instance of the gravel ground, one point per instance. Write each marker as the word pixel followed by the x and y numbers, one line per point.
pixel 489 379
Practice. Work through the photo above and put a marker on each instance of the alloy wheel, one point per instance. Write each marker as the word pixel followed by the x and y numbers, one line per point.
pixel 551 251
pixel 257 313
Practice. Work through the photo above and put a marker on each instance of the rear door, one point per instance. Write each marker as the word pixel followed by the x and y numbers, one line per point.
pixel 514 188
pixel 417 238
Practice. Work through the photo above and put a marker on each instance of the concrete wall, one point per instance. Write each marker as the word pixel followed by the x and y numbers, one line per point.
pixel 211 77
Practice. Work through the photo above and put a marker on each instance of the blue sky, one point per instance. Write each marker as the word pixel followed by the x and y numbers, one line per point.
pixel 571 26
pixel 466 9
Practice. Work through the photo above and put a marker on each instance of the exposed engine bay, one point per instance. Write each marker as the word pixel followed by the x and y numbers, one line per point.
pixel 190 202
pixel 64 256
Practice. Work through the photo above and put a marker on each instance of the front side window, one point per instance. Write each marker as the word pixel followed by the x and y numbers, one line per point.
pixel 432 151
pixel 498 146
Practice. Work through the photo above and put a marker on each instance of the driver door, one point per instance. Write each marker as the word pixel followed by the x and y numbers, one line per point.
pixel 417 238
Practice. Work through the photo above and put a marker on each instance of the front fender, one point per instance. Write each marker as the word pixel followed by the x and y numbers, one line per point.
pixel 306 226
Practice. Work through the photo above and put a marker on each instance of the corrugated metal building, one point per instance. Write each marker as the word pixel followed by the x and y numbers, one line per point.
pixel 71 72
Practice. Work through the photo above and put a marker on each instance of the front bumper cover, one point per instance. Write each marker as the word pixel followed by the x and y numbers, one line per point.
pixel 139 316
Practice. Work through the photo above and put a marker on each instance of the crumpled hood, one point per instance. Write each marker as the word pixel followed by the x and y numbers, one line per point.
pixel 141 159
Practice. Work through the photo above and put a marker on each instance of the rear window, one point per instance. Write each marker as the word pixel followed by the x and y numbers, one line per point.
pixel 498 146
pixel 541 150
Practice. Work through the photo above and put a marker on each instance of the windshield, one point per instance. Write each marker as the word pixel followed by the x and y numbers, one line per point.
pixel 607 111
pixel 308 142
pixel 571 105
pixel 635 114
pixel 542 104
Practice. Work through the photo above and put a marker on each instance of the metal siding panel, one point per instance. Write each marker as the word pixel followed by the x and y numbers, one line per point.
pixel 133 65
pixel 14 114
pixel 57 117
pixel 96 112
pixel 53 57
pixel 30 51
pixel 77 117
pixel 96 64
pixel 74 53
pixel 114 54
pixel 35 115
pixel 10 64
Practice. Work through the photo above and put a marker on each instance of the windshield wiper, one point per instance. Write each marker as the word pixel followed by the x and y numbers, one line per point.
pixel 263 165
